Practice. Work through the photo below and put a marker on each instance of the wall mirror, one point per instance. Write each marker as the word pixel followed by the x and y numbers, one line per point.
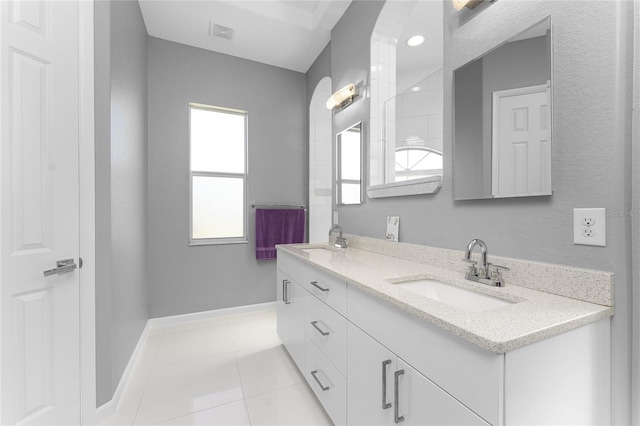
pixel 349 165
pixel 406 99
pixel 502 119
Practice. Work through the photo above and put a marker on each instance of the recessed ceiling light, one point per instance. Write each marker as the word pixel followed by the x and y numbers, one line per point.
pixel 415 41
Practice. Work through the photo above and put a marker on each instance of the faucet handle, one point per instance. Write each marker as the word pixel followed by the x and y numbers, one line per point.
pixel 472 267
pixel 496 274
pixel 499 268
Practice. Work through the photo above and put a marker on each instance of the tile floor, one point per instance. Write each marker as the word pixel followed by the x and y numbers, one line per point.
pixel 230 370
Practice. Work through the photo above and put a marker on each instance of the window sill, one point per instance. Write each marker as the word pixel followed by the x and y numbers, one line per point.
pixel 216 243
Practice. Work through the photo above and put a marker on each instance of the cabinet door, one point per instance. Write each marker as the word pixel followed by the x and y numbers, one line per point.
pixel 282 306
pixel 421 402
pixel 370 368
pixel 298 304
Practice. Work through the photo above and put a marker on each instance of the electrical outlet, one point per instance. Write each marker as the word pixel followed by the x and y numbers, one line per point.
pixel 589 227
pixel 588 233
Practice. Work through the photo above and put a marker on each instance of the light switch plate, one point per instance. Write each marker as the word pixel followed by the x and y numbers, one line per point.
pixel 393 226
pixel 335 217
pixel 589 227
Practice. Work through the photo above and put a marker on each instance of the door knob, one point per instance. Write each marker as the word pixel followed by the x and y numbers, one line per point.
pixel 62 266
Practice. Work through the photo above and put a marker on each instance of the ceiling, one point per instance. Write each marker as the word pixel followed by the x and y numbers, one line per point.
pixel 284 33
pixel 425 20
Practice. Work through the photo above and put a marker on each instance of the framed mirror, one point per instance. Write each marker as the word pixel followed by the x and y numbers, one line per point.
pixel 349 165
pixel 502 119
pixel 406 95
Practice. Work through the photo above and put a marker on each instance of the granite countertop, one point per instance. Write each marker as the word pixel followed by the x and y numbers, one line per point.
pixel 533 315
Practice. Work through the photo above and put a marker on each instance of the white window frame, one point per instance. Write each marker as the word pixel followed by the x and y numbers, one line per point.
pixel 244 176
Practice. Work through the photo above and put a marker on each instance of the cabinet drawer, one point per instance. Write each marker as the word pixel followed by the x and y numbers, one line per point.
pixel 327 383
pixel 328 330
pixel 291 266
pixel 328 288
pixel 470 374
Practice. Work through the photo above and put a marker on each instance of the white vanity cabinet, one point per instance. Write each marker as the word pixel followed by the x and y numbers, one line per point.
pixel 313 328
pixel 370 362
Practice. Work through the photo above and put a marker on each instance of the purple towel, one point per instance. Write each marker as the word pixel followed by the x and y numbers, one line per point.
pixel 277 226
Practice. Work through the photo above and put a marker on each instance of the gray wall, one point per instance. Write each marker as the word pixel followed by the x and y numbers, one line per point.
pixel 104 385
pixel 185 279
pixel 468 131
pixel 121 189
pixel 320 69
pixel 591 149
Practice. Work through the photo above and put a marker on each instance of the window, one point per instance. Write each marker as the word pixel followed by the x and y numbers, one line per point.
pixel 414 162
pixel 349 176
pixel 218 165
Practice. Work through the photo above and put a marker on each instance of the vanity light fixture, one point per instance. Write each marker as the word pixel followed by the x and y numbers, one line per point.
pixel 415 40
pixel 460 4
pixel 342 97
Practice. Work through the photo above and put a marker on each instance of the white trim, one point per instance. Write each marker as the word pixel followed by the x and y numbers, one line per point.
pixel 635 220
pixel 244 176
pixel 427 185
pixel 86 157
pixel 109 408
pixel 197 316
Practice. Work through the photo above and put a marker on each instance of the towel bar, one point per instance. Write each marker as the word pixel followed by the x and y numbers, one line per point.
pixel 282 206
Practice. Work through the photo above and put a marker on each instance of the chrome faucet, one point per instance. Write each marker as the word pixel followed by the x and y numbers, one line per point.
pixel 340 242
pixel 483 274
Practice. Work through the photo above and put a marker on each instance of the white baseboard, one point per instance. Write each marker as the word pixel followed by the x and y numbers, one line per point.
pixel 108 409
pixel 196 316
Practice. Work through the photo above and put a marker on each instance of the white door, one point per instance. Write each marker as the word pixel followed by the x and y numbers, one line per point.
pixel 39 212
pixel 521 142
pixel 370 367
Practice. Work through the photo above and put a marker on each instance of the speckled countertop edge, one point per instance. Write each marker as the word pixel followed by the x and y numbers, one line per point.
pixel 533 316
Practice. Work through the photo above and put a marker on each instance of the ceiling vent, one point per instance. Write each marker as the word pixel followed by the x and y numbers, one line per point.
pixel 216 30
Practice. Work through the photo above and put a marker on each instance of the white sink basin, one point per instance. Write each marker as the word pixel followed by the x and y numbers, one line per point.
pixel 319 250
pixel 324 253
pixel 452 295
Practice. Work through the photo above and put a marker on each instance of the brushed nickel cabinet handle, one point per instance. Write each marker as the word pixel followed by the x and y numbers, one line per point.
pixel 323 387
pixel 285 292
pixel 397 418
pixel 315 325
pixel 385 404
pixel 315 284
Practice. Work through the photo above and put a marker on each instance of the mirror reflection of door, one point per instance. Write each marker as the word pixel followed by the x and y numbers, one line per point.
pixel 521 142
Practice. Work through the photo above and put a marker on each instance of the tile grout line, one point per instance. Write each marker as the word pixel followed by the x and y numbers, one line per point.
pixel 244 395
pixel 236 351
pixel 197 411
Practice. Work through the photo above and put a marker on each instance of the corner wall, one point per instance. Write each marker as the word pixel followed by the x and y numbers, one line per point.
pixel 121 189
pixel 591 152
pixel 184 279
